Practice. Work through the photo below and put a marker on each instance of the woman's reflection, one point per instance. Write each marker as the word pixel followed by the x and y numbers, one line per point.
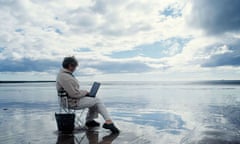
pixel 90 137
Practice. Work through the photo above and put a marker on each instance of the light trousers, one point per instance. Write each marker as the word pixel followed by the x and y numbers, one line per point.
pixel 95 106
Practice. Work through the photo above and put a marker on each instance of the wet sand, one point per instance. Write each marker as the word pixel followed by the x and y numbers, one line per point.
pixel 146 114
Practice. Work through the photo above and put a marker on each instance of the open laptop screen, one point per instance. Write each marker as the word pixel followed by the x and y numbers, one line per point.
pixel 94 89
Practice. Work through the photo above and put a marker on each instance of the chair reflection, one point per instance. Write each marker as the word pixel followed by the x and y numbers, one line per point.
pixel 89 137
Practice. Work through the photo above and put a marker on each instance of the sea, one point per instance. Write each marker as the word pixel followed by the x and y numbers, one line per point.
pixel 146 112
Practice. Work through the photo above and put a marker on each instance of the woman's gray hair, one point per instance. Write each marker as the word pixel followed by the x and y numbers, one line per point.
pixel 69 61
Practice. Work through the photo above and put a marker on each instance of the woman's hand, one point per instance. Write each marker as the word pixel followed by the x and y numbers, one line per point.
pixel 87 94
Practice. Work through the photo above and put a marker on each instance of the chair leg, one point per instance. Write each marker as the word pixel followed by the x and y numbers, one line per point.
pixel 80 119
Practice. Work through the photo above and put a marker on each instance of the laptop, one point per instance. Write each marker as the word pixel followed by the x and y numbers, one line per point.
pixel 94 89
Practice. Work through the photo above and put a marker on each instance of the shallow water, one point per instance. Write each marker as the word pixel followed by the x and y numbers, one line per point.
pixel 147 113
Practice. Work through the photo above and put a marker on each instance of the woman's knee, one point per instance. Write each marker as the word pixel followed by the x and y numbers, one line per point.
pixel 98 100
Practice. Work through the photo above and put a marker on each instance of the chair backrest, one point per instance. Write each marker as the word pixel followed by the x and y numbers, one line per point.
pixel 62 93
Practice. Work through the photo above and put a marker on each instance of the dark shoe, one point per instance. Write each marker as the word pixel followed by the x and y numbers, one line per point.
pixel 110 138
pixel 92 123
pixel 111 127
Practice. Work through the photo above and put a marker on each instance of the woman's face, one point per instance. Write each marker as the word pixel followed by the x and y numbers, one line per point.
pixel 72 68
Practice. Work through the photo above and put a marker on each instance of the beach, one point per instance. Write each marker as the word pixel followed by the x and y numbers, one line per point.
pixel 146 113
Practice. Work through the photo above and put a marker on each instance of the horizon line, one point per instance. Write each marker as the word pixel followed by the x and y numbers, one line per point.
pixel 229 81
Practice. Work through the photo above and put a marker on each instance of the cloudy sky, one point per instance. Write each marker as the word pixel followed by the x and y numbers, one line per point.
pixel 121 39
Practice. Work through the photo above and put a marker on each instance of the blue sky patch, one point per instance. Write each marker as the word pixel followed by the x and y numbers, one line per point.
pixel 19 30
pixel 157 49
pixel 2 49
pixel 82 49
pixel 58 31
pixel 171 12
pixel 53 29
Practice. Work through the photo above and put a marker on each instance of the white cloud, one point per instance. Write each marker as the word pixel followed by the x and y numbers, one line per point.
pixel 49 30
pixel 122 26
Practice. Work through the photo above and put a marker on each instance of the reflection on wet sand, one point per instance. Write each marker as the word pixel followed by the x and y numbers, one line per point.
pixel 89 137
pixel 220 127
pixel 145 113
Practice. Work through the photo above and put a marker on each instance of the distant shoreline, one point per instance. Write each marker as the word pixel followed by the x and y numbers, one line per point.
pixel 26 81
pixel 200 82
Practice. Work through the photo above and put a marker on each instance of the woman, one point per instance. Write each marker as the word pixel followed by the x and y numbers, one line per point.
pixel 79 99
